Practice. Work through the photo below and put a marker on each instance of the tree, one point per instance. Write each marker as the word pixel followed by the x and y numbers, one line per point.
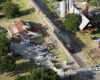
pixel 39 74
pixel 95 3
pixel 7 64
pixel 10 10
pixel 72 22
pixel 4 45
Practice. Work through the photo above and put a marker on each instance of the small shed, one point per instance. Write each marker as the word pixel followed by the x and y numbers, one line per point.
pixel 1 13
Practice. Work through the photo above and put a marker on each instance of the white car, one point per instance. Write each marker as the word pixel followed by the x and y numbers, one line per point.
pixel 50 56
pixel 22 42
pixel 37 62
pixel 39 48
pixel 97 68
pixel 41 55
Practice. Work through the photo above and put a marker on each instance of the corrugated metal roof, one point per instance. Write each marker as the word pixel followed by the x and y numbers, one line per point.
pixel 85 21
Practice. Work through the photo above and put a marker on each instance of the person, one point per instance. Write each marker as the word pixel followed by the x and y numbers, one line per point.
pixel 65 75
pixel 70 67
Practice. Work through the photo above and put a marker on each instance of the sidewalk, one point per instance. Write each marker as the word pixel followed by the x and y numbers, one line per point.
pixel 81 5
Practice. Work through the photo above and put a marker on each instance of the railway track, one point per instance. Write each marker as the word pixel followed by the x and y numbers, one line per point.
pixel 80 63
pixel 83 67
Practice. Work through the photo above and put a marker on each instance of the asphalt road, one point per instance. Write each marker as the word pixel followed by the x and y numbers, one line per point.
pixel 83 7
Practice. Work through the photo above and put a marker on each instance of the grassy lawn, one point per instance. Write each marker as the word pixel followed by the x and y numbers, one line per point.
pixel 96 17
pixel 24 66
pixel 26 14
pixel 61 56
pixel 76 78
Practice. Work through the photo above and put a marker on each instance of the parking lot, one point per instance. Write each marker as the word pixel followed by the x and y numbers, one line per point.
pixel 30 52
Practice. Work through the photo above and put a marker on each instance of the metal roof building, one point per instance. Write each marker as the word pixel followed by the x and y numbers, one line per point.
pixel 85 21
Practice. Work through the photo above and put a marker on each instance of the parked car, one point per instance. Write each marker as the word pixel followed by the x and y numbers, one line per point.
pixel 41 55
pixel 50 56
pixel 22 42
pixel 45 49
pixel 15 54
pixel 96 38
pixel 39 48
pixel 31 59
pixel 58 66
pixel 53 61
pixel 37 44
pixel 32 43
pixel 12 51
pixel 97 68
pixel 63 69
pixel 28 44
pixel 22 55
pixel 37 62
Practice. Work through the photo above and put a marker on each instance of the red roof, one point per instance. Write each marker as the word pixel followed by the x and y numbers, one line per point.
pixel 16 27
pixel 34 29
pixel 10 30
pixel 1 12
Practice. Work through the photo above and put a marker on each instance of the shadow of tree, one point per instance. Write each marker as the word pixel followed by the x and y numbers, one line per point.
pixel 1 7
pixel 39 26
pixel 2 1
pixel 23 68
pixel 77 41
pixel 25 12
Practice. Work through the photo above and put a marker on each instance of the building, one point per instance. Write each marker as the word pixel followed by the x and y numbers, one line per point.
pixel 86 26
pixel 22 29
pixel 1 13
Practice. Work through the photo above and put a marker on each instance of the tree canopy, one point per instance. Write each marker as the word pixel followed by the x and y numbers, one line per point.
pixel 10 10
pixel 95 3
pixel 39 74
pixel 4 45
pixel 7 64
pixel 72 22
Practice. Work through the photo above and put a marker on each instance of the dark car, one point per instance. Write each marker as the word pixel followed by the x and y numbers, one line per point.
pixel 32 43
pixel 31 59
pixel 94 38
pixel 53 61
pixel 69 77
pixel 45 49
pixel 22 55
pixel 58 66
pixel 12 51
pixel 15 54
pixel 37 44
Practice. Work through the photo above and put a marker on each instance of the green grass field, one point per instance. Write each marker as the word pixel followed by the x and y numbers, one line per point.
pixel 25 11
pixel 76 78
pixel 61 56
